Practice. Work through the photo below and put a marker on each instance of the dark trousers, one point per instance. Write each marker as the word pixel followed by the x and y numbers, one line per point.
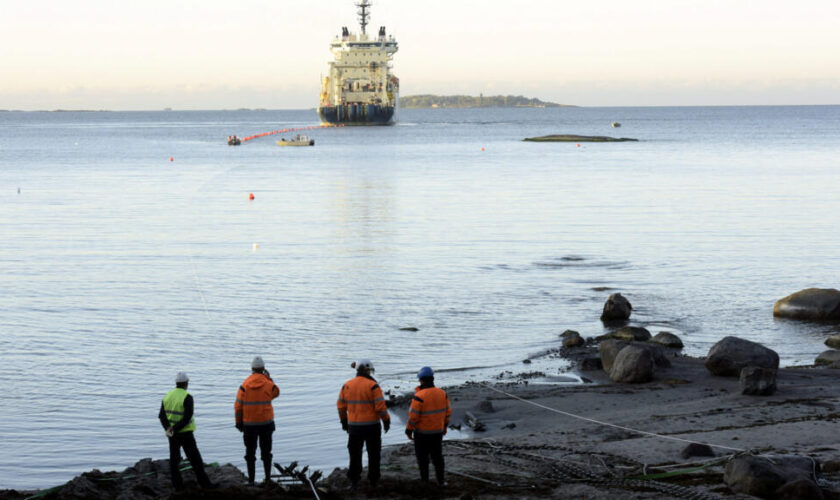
pixel 425 446
pixel 185 440
pixel 251 436
pixel 369 436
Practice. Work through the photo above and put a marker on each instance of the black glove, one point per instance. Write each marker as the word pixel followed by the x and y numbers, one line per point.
pixel 344 426
pixel 240 427
pixel 410 434
pixel 386 425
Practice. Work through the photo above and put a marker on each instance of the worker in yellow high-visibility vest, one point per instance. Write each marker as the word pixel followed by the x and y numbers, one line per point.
pixel 176 417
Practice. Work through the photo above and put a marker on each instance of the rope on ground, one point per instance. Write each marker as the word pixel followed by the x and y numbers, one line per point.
pixel 629 429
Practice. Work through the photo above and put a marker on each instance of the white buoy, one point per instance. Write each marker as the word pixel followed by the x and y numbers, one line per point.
pixel 256 247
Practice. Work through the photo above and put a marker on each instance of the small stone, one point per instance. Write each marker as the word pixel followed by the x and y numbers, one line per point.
pixel 758 381
pixel 486 406
pixel 697 450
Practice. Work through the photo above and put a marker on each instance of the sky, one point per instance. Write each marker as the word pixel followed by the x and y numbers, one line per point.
pixel 210 54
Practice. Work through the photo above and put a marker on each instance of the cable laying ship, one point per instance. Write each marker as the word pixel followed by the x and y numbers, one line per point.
pixel 360 89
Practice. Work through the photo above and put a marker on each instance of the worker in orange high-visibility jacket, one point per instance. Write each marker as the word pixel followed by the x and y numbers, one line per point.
pixel 361 406
pixel 428 418
pixel 255 416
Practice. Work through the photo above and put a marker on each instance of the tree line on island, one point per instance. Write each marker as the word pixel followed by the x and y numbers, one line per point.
pixel 480 101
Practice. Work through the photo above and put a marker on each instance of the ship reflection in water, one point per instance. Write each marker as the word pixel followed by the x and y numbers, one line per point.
pixel 360 89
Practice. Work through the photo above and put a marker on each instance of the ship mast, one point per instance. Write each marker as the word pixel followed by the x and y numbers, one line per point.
pixel 363 6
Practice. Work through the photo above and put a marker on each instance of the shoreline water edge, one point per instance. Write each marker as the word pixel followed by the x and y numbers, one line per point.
pixel 673 426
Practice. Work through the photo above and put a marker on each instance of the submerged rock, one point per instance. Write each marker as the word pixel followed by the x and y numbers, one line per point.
pixel 577 138
pixel 757 381
pixel 730 355
pixel 667 339
pixel 617 308
pixel 816 304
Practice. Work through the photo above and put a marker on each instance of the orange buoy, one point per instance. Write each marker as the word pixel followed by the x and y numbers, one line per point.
pixel 251 196
pixel 578 145
pixel 482 149
pixel 171 159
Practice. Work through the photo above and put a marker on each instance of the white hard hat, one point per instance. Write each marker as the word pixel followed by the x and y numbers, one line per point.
pixel 181 378
pixel 257 363
pixel 365 363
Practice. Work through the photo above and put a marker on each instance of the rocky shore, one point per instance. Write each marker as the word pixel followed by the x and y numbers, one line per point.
pixel 622 439
pixel 731 424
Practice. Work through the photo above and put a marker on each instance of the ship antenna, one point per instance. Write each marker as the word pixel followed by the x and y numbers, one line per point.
pixel 363 6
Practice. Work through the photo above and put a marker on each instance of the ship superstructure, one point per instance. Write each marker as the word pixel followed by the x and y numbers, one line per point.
pixel 360 89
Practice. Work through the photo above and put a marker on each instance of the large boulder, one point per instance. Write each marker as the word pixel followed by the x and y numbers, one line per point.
pixel 729 356
pixel 833 341
pixel 818 304
pixel 762 477
pixel 634 364
pixel 630 333
pixel 607 351
pixel 617 308
pixel 757 381
pixel 667 339
pixel 800 489
pixel 827 357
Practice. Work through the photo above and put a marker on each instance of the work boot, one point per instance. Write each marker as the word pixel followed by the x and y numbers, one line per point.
pixel 267 469
pixel 251 471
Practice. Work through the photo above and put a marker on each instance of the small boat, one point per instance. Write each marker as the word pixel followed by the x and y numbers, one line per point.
pixel 615 124
pixel 234 141
pixel 298 140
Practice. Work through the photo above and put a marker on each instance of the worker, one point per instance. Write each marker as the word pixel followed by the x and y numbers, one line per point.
pixel 428 418
pixel 176 417
pixel 255 416
pixel 361 406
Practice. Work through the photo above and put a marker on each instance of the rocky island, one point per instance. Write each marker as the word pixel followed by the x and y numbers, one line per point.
pixel 480 101
pixel 578 138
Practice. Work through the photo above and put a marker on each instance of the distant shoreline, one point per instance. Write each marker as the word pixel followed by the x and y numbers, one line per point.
pixel 553 105
pixel 424 101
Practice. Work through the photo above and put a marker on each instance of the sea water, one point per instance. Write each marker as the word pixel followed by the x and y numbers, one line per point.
pixel 130 251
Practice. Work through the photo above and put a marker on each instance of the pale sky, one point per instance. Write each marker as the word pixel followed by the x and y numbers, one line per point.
pixel 211 54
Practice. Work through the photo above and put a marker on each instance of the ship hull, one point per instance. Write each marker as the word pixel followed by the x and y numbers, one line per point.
pixel 357 114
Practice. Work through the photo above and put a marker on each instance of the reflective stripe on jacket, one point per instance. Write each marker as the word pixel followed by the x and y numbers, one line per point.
pixel 253 400
pixel 430 411
pixel 173 405
pixel 361 402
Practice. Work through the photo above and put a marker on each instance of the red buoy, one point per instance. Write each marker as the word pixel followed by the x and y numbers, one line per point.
pixel 251 196
pixel 171 159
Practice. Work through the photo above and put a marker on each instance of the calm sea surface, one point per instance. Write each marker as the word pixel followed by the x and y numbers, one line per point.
pixel 119 268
